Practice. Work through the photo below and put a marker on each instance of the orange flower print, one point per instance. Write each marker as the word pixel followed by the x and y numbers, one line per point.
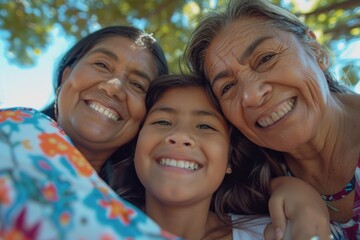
pixel 116 209
pixel 107 236
pixel 4 192
pixel 26 144
pixel 80 163
pixel 50 193
pixel 65 218
pixel 52 144
pixel 14 234
pixel 15 116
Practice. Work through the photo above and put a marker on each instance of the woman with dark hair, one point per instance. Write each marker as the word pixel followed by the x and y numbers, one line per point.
pixel 50 189
pixel 272 79
pixel 100 85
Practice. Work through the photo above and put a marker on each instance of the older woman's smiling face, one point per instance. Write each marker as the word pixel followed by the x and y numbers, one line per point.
pixel 102 98
pixel 268 85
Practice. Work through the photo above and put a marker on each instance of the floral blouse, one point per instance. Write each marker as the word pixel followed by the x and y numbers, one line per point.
pixel 49 191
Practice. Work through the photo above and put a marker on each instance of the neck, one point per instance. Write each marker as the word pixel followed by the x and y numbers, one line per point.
pixel 192 222
pixel 334 150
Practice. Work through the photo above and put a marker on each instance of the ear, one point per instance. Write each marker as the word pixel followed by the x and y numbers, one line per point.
pixel 65 74
pixel 310 34
pixel 324 61
pixel 321 55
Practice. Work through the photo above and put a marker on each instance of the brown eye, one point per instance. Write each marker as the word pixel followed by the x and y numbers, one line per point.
pixel 162 123
pixel 226 88
pixel 138 86
pixel 205 126
pixel 101 65
pixel 265 59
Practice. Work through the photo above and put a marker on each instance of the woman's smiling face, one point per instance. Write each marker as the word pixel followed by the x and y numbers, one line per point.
pixel 101 101
pixel 269 86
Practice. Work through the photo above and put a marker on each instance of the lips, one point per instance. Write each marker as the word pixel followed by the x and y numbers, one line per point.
pixel 105 111
pixel 278 114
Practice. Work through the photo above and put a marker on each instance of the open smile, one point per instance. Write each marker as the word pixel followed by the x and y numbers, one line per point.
pixel 183 164
pixel 105 111
pixel 278 114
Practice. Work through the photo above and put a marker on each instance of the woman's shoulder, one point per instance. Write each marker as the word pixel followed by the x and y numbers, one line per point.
pixel 15 113
pixel 50 191
pixel 21 120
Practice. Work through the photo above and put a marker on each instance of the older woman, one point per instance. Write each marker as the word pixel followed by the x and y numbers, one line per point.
pixel 271 78
pixel 101 84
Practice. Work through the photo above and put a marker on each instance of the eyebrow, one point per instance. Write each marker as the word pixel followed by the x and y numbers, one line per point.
pixel 251 48
pixel 106 52
pixel 142 74
pixel 115 57
pixel 248 51
pixel 194 112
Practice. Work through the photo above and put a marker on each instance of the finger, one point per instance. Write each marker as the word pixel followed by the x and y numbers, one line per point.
pixel 269 233
pixel 278 218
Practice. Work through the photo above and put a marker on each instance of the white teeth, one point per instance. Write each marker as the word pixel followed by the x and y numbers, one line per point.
pixel 276 116
pixel 179 163
pixel 104 110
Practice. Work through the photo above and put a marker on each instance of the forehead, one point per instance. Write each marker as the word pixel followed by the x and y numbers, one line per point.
pixel 195 95
pixel 125 50
pixel 239 34
pixel 187 99
pixel 124 43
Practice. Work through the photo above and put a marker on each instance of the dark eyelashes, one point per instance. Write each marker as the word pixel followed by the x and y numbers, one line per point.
pixel 206 126
pixel 162 122
pixel 266 58
pixel 226 88
pixel 101 65
pixel 199 126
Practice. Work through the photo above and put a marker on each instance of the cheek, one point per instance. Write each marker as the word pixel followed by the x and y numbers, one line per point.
pixel 81 78
pixel 143 150
pixel 232 112
pixel 136 107
pixel 219 152
pixel 66 101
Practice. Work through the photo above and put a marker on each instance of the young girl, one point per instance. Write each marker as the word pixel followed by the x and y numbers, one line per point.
pixel 185 175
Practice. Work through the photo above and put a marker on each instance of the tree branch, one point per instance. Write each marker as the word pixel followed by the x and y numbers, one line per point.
pixel 341 5
pixel 341 30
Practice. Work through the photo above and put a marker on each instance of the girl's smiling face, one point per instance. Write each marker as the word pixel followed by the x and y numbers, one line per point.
pixel 182 150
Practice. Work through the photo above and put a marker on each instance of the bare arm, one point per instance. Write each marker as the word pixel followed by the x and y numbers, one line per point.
pixel 297 202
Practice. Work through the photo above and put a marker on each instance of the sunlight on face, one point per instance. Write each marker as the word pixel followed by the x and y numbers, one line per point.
pixel 182 149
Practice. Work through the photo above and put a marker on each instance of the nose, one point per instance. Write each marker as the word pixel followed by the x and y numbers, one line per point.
pixel 180 139
pixel 114 87
pixel 254 93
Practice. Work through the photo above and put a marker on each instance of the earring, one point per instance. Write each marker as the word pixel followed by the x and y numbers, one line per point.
pixel 56 102
pixel 324 60
pixel 228 170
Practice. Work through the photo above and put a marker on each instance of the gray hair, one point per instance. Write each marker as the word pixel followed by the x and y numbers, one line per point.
pixel 214 21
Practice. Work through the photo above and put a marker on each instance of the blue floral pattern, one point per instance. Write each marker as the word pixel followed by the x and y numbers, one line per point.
pixel 49 191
